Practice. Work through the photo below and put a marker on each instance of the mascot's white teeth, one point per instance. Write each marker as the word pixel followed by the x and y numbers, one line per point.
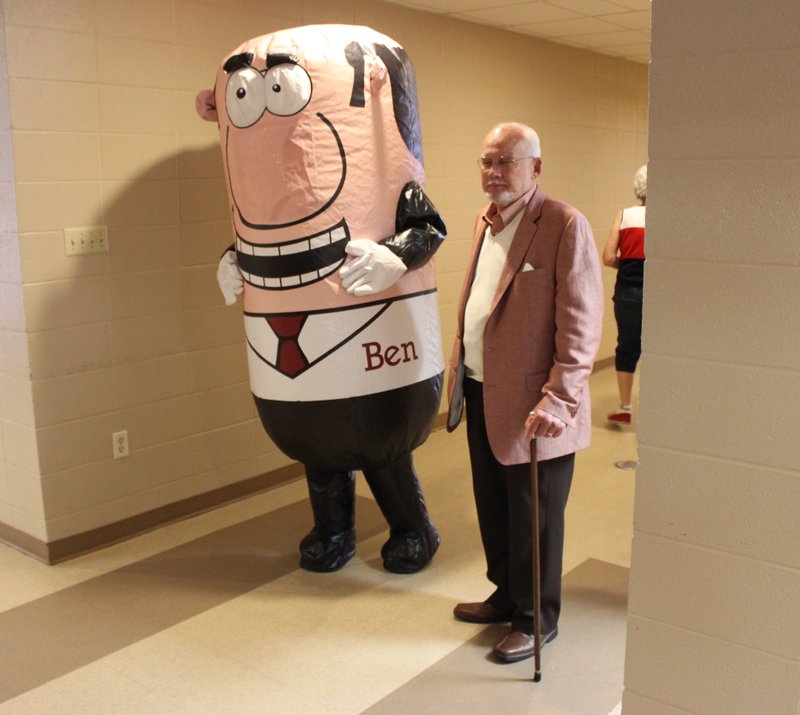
pixel 293 263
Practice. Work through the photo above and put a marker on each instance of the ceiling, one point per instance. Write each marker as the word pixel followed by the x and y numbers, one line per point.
pixel 620 28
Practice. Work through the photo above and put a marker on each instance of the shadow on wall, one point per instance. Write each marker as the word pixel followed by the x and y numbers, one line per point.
pixel 139 340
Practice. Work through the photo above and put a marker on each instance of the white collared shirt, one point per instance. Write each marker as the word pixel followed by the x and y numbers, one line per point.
pixel 490 264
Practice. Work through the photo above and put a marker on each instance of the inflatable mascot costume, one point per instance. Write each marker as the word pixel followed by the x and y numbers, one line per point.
pixel 320 138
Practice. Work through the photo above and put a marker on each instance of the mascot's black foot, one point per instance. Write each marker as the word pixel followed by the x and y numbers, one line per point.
pixel 327 553
pixel 410 552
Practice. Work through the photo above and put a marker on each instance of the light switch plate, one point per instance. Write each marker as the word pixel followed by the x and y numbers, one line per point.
pixel 85 239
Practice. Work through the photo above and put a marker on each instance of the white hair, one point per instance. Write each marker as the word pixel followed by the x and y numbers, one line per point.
pixel 526 134
pixel 640 182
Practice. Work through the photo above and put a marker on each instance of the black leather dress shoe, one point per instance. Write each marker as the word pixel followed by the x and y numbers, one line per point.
pixel 480 612
pixel 518 646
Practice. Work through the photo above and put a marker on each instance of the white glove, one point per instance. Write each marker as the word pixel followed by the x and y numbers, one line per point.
pixel 375 269
pixel 229 277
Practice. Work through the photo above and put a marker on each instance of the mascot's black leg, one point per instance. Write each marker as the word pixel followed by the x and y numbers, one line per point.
pixel 413 540
pixel 332 541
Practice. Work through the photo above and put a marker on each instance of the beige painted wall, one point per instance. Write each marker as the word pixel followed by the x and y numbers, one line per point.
pixel 714 623
pixel 104 132
pixel 20 496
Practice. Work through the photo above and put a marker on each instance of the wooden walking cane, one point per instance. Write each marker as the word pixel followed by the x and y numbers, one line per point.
pixel 537 590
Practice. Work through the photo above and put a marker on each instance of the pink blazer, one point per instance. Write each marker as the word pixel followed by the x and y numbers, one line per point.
pixel 542 334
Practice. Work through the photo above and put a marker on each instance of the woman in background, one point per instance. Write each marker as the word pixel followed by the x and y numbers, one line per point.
pixel 624 250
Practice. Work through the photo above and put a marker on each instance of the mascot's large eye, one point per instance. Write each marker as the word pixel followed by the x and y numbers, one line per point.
pixel 288 89
pixel 245 97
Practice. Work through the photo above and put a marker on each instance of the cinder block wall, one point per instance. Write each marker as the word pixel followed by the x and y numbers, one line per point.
pixel 100 128
pixel 714 622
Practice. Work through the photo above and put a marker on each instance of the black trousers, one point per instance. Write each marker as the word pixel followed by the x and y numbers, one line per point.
pixel 503 501
pixel 628 314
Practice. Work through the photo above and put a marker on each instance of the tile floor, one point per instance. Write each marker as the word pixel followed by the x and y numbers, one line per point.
pixel 294 642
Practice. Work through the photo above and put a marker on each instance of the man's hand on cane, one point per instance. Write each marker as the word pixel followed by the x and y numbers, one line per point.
pixel 543 424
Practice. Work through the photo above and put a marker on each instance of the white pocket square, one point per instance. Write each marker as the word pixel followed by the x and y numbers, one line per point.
pixel 527 267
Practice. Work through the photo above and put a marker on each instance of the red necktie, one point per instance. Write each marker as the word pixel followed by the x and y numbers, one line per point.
pixel 291 360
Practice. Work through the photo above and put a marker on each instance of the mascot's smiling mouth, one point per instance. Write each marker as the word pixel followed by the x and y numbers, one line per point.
pixel 299 262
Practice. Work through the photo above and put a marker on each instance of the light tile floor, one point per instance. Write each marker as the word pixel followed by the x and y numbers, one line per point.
pixel 310 643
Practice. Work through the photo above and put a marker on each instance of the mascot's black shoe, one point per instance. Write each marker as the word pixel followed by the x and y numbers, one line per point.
pixel 322 554
pixel 410 552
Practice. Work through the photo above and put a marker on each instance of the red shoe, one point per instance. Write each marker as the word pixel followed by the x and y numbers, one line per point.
pixel 620 418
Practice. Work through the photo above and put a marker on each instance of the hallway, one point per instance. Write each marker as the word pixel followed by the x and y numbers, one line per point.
pixel 212 615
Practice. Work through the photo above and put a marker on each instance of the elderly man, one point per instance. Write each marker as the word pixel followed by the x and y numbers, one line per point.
pixel 529 324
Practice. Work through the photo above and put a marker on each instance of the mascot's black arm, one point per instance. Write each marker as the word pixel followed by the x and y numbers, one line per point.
pixel 419 228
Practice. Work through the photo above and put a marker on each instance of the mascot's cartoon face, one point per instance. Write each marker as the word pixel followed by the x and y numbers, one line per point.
pixel 319 133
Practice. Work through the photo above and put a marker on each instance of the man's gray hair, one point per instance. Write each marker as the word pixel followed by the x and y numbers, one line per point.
pixel 528 136
pixel 640 182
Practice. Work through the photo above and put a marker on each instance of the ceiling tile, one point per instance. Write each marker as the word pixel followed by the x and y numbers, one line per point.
pixel 634 4
pixel 450 7
pixel 633 20
pixel 567 28
pixel 588 7
pixel 517 14
pixel 608 39
pixel 619 28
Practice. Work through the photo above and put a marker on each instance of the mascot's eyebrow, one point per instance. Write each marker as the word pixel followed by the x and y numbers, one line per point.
pixel 237 62
pixel 279 58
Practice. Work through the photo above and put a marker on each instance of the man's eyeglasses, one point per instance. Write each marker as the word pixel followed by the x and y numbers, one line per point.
pixel 502 162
